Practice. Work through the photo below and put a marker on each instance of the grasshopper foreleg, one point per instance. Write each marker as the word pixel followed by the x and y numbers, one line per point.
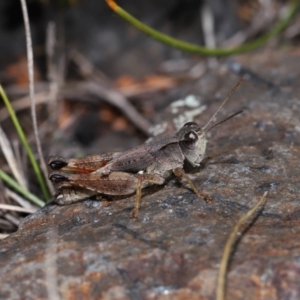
pixel 180 173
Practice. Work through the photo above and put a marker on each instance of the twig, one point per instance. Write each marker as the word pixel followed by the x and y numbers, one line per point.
pixel 209 31
pixel 32 97
pixel 3 236
pixel 95 85
pixel 52 73
pixel 12 219
pixel 119 101
pixel 113 97
pixel 23 103
pixel 6 225
pixel 17 198
pixel 17 208
pixel 229 245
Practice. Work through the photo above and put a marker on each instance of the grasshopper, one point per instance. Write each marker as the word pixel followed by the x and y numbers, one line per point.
pixel 125 173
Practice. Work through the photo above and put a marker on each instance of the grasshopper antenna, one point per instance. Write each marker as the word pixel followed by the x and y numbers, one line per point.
pixel 226 99
pixel 226 119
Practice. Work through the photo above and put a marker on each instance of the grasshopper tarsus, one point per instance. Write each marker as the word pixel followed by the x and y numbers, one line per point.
pixel 206 197
pixel 133 215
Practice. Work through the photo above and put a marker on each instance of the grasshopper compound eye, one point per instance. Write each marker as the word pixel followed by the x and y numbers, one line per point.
pixel 190 139
pixel 190 124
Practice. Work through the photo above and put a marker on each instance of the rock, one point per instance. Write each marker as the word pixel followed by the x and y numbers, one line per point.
pixel 92 250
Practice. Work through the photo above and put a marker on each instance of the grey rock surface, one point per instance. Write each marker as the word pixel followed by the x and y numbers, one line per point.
pixel 92 250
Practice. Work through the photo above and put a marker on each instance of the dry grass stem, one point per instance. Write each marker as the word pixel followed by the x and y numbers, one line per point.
pixel 52 73
pixel 12 219
pixel 207 20
pixel 229 245
pixel 17 208
pixel 3 236
pixel 31 92
pixel 20 200
pixel 11 159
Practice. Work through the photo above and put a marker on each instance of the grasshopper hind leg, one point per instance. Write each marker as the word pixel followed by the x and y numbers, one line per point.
pixel 57 162
pixel 138 198
pixel 144 180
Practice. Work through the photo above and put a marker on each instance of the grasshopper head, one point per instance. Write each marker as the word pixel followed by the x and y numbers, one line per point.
pixel 192 139
pixel 192 142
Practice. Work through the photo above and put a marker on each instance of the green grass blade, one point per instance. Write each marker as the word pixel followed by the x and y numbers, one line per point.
pixel 25 143
pixel 189 47
pixel 20 189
